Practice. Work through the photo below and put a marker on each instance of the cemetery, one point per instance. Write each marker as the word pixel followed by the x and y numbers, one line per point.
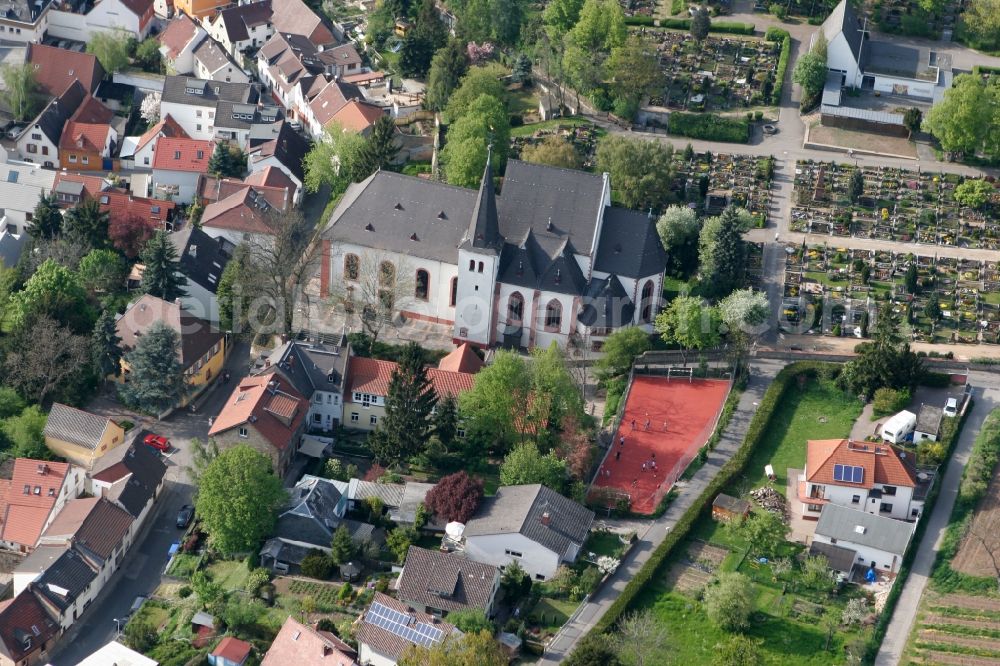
pixel 582 135
pixel 721 179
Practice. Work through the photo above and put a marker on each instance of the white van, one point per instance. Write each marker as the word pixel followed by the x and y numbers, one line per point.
pixel 899 428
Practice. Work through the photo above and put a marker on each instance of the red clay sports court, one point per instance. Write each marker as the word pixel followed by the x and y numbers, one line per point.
pixel 688 407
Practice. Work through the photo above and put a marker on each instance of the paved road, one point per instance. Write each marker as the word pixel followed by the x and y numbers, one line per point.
pixel 591 612
pixel 144 563
pixel 987 397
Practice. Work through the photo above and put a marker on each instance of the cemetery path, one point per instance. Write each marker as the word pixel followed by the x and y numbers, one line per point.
pixel 853 243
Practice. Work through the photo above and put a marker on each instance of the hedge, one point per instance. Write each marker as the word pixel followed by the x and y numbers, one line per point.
pixel 726 27
pixel 779 35
pixel 709 126
pixel 729 471
pixel 640 20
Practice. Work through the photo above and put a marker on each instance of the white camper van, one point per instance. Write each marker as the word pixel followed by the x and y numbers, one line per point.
pixel 899 428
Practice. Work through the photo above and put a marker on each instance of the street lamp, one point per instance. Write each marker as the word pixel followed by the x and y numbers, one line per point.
pixel 118 626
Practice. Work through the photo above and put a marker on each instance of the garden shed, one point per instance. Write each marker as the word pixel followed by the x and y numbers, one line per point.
pixel 928 426
pixel 725 508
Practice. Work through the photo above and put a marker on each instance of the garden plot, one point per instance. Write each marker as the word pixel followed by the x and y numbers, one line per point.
pixel 836 291
pixel 894 204
pixel 691 574
pixel 973 556
pixel 719 74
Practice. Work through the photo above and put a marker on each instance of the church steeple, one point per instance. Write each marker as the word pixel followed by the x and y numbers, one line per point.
pixel 484 227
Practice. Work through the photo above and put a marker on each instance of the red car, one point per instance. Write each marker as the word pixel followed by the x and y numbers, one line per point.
pixel 158 442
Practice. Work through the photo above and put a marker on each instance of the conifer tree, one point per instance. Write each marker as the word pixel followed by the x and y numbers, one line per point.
pixel 162 277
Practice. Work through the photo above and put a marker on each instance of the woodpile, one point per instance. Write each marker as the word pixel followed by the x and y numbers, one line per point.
pixel 769 499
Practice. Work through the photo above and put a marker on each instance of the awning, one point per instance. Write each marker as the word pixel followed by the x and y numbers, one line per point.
pixel 315 447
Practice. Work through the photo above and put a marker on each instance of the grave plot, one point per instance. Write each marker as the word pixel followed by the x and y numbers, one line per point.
pixel 891 204
pixel 938 299
pixel 720 179
pixel 816 9
pixel 583 137
pixel 638 7
pixel 719 74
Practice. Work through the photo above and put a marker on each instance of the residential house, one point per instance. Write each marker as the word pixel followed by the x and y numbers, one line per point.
pixel 37 492
pixel 21 185
pixel 295 17
pixel 285 152
pixel 928 426
pixel 88 139
pixel 214 63
pixel 389 626
pixel 133 17
pixel 249 211
pixel 230 652
pixel 878 542
pixel 389 494
pixel 530 524
pixel 304 645
pixel 203 259
pixel 235 122
pixel 368 386
pixel 39 141
pixel 53 541
pixel 193 102
pixel 548 261
pixel 116 653
pixel 242 29
pixel 267 414
pixel 178 42
pixel 120 205
pixel 315 510
pixel 24 22
pixel 271 176
pixel 199 9
pixel 72 188
pixel 138 151
pixel 318 371
pixel 133 482
pixel 177 165
pixel 203 348
pixel 872 477
pixel 439 583
pixel 55 69
pixel 27 631
pixel 79 436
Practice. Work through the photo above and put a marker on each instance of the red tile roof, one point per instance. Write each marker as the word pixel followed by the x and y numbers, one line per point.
pixel 178 34
pixel 91 184
pixel 276 416
pixel 179 154
pixel 233 649
pixel 116 472
pixel 882 464
pixel 56 69
pixel 23 618
pixel 246 208
pixel 138 7
pixel 363 77
pixel 166 127
pixel 372 376
pixel 357 116
pixel 271 176
pixel 463 359
pixel 302 645
pixel 121 205
pixel 34 489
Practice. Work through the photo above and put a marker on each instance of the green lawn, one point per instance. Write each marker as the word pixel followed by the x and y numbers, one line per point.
pixel 603 543
pixel 551 614
pixel 183 565
pixel 231 575
pixel 523 101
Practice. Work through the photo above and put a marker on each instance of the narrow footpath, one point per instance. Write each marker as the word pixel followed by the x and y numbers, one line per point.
pixel 589 613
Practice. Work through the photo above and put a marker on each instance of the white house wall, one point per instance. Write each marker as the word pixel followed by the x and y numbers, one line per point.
pixel 491 549
pixel 887 84
pixel 187 116
pixel 187 183
pixel 840 57
pixel 866 555
pixel 41 142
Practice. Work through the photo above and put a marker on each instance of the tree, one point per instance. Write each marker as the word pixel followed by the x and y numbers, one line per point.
pixel 140 635
pixel 149 109
pixel 240 615
pixel 378 290
pixel 763 531
pixel 47 218
pixel 403 430
pixel 490 21
pixel 238 499
pixel 130 233
pixel 11 404
pixel 810 73
pixel 856 185
pixel 102 272
pixel 690 322
pixel 226 163
pixel 515 582
pixel 932 309
pixel 700 24
pixel 600 28
pixel 745 313
pixel 25 434
pixel 885 361
pixel 53 291
pixel 641 639
pixel 912 119
pixel 678 228
pixel 415 56
pixel 816 573
pixel 554 151
pixel 722 251
pixel 557 394
pixel 974 192
pixel 162 276
pixel 333 161
pixel 477 648
pixel 729 602
pixel 575 447
pixel 738 650
pixel 87 222
pixel 560 16
pixel 20 90
pixel 448 66
pixel 110 48
pixel 399 541
pixel 982 20
pixel 380 148
pixel 446 420
pixel 620 350
pixel 526 464
pixel 470 620
pixel 148 57
pixel 156 377
pixel 477 81
pixel 964 118
pixel 910 279
pixel 455 497
pixel 106 346
pixel 44 356
pixel 342 547
pixel 855 611
pixel 210 594
pixel 493 410
pixel 593 650
pixel 634 69
pixel 233 297
pixel 485 123
pixel 641 171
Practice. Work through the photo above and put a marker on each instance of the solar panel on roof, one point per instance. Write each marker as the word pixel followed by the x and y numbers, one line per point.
pixel 399 623
pixel 848 473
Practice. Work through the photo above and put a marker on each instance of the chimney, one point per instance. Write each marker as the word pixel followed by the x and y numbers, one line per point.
pixel 193 250
pixel 267 363
pixel 546 519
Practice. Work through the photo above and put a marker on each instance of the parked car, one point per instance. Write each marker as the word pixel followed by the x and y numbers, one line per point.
pixel 137 604
pixel 158 442
pixel 770 129
pixel 184 516
pixel 951 407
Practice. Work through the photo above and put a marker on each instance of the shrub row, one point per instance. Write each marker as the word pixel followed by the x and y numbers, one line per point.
pixel 950 438
pixel 779 35
pixel 709 126
pixel 733 467
pixel 640 20
pixel 726 27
